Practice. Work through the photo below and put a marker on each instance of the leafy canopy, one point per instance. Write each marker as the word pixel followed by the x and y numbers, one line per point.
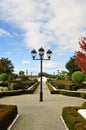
pixel 71 66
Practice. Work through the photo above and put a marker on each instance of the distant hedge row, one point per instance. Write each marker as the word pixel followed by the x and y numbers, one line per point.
pixel 7 115
pixel 73 119
pixel 66 92
pixel 20 91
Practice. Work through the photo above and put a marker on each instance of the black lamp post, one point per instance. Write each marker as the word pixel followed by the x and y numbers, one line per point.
pixel 41 54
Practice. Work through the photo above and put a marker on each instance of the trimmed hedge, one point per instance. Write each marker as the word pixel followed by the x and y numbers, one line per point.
pixel 49 86
pixel 70 93
pixel 20 91
pixel 7 115
pixel 33 88
pixel 83 95
pixel 73 119
pixel 4 84
pixel 66 92
pixel 84 104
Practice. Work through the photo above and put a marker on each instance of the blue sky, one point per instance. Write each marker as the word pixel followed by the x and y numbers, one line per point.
pixel 30 24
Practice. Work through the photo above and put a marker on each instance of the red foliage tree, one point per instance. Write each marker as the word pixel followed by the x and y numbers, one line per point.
pixel 81 55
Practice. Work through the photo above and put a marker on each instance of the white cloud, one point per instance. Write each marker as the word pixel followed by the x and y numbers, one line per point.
pixel 50 65
pixel 4 32
pixel 25 62
pixel 47 22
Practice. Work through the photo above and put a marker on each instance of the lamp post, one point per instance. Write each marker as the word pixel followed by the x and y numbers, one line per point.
pixel 41 55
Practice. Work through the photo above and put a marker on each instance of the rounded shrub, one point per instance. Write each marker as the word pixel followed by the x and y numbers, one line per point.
pixel 3 77
pixel 78 77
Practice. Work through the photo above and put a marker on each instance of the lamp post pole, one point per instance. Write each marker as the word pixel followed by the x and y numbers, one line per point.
pixel 41 54
pixel 41 92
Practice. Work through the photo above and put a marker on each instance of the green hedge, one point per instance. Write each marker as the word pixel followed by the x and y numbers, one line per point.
pixel 66 92
pixel 83 95
pixel 20 91
pixel 73 119
pixel 49 86
pixel 55 92
pixel 7 115
pixel 70 93
pixel 33 88
pixel 84 104
pixel 4 84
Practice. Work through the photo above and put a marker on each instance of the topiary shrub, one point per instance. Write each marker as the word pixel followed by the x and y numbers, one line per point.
pixel 3 77
pixel 78 77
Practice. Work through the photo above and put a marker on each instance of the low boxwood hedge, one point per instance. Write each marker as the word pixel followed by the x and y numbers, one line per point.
pixel 83 95
pixel 84 104
pixel 49 86
pixel 7 115
pixel 33 88
pixel 66 92
pixel 70 93
pixel 20 91
pixel 73 119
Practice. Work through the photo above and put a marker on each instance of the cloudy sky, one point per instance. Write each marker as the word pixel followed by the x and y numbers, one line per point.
pixel 30 24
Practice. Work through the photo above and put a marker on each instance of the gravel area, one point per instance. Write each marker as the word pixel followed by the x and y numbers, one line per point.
pixel 36 115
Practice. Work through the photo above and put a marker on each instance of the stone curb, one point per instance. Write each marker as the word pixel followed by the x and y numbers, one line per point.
pixel 64 123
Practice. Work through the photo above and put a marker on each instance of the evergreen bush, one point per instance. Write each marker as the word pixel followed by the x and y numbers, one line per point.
pixel 3 77
pixel 78 77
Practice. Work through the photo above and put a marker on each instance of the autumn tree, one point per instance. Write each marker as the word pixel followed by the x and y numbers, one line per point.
pixel 81 55
pixel 6 66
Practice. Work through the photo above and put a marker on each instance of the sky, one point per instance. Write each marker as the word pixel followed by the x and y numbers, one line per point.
pixel 31 24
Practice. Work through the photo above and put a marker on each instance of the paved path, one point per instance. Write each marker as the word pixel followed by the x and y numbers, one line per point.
pixel 35 115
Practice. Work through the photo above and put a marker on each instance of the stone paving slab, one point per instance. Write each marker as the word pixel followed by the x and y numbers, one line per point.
pixel 36 115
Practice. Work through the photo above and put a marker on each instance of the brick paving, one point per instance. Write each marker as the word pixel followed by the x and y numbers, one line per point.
pixel 36 115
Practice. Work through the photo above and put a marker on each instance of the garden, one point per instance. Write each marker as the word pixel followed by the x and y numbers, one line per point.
pixel 71 87
pixel 16 86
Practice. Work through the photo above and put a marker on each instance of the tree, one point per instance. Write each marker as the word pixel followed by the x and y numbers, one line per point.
pixel 71 65
pixel 81 55
pixel 6 66
pixel 21 74
pixel 62 75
